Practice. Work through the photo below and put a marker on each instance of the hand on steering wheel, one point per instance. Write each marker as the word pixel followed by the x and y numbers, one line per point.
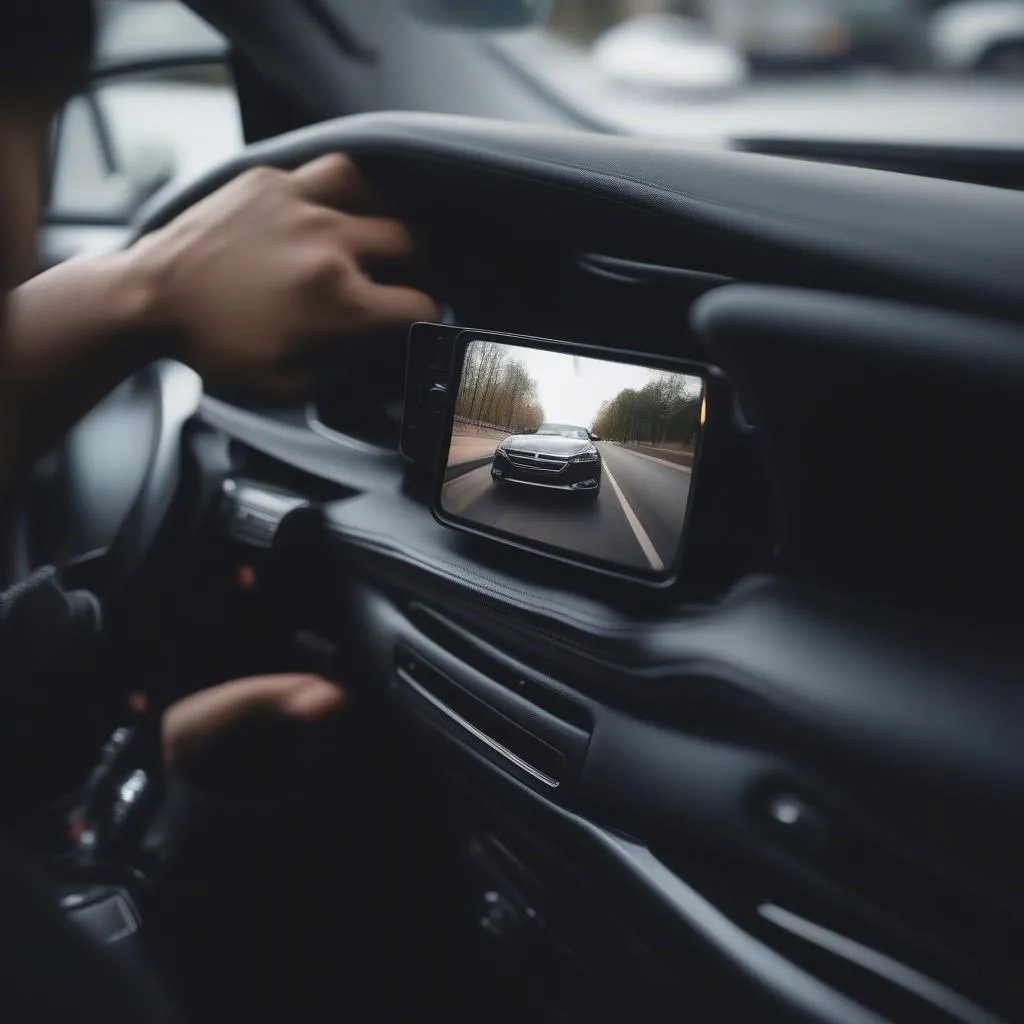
pixel 257 277
pixel 252 287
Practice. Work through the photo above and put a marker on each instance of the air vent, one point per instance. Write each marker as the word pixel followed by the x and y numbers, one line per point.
pixel 630 272
pixel 476 720
pixel 496 665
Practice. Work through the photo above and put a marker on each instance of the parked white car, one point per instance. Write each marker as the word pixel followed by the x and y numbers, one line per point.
pixel 668 52
pixel 727 39
pixel 980 35
pixel 797 33
pixel 790 32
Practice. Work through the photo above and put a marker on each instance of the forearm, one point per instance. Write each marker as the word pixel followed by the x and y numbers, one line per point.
pixel 70 336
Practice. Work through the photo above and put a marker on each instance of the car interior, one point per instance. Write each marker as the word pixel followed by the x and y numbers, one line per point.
pixel 785 785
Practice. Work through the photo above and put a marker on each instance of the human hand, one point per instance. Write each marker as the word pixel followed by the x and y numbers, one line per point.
pixel 258 277
pixel 195 725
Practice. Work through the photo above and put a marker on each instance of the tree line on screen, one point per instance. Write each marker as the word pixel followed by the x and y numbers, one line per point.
pixel 665 410
pixel 497 390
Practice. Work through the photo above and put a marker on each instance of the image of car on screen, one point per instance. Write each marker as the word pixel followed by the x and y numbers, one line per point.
pixel 555 456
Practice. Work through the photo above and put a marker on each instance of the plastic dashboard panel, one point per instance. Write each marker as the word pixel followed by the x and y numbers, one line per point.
pixel 811 682
pixel 658 783
pixel 828 680
pixel 891 432
pixel 781 687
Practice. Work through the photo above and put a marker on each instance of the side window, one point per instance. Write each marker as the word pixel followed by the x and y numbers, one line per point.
pixel 162 107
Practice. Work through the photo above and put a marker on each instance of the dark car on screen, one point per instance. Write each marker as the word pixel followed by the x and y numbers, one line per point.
pixel 555 456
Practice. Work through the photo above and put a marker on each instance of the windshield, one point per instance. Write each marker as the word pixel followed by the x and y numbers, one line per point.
pixel 885 70
pixel 558 430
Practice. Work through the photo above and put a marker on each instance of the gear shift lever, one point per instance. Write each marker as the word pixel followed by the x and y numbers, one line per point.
pixel 120 791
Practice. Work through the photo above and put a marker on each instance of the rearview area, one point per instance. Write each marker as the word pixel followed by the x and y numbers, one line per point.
pixel 592 457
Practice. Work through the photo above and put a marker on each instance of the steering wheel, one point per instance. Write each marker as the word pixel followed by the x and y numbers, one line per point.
pixel 95 504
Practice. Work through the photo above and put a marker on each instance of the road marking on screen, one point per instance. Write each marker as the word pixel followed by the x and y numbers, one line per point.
pixel 661 462
pixel 452 504
pixel 460 492
pixel 637 527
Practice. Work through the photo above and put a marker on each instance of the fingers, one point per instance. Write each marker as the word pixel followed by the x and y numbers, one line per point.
pixel 384 305
pixel 335 180
pixel 194 724
pixel 311 702
pixel 370 238
pixel 374 240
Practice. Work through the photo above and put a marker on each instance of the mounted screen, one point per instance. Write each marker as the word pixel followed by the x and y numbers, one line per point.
pixel 589 458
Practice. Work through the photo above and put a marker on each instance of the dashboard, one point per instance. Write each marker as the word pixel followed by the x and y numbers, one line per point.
pixel 788 758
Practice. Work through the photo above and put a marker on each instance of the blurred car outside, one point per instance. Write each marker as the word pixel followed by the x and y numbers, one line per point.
pixel 663 51
pixel 788 34
pixel 712 44
pixel 979 36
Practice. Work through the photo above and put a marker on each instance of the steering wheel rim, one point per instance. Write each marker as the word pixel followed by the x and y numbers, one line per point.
pixel 136 494
pixel 178 391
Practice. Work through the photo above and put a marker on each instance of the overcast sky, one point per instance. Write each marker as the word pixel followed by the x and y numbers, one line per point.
pixel 572 388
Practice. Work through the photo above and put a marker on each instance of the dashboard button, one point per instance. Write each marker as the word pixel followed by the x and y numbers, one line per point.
pixel 802 828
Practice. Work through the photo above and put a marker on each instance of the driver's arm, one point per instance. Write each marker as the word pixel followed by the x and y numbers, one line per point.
pixel 245 287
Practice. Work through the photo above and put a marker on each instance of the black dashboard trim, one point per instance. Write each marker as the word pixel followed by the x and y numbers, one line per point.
pixel 354 467
pixel 927 989
pixel 617 854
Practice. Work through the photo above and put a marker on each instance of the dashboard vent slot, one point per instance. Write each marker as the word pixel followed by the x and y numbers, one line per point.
pixel 624 271
pixel 476 721
pixel 509 673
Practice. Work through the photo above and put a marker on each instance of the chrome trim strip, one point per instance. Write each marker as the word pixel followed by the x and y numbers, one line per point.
pixel 534 468
pixel 542 463
pixel 803 991
pixel 475 732
pixel 547 460
pixel 898 974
